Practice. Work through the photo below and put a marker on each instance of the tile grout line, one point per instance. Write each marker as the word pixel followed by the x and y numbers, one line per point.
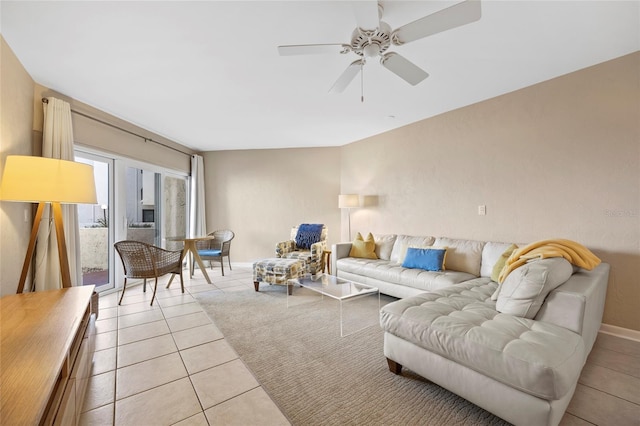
pixel 619 352
pixel 609 393
pixel 578 417
pixel 185 368
pixel 216 366
pixel 216 288
pixel 117 342
pixel 115 372
pixel 608 366
pixel 259 386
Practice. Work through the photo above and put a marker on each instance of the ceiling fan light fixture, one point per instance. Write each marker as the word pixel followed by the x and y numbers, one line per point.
pixel 371 50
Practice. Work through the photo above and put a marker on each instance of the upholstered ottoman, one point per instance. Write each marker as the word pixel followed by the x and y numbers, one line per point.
pixel 276 271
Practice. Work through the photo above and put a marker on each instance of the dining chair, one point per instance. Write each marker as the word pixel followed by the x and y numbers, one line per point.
pixel 142 260
pixel 217 248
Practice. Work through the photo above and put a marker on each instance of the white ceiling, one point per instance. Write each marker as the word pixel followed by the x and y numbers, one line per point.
pixel 208 75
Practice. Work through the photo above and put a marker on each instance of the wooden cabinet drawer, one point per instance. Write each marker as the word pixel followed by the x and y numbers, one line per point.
pixel 67 411
pixel 47 343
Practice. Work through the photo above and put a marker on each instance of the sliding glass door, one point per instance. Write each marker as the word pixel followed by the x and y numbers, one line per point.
pixel 175 211
pixel 96 231
pixel 143 205
pixel 156 207
pixel 136 201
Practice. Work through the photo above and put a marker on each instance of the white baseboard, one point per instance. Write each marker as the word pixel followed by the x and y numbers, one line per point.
pixel 625 333
pixel 217 265
pixel 242 264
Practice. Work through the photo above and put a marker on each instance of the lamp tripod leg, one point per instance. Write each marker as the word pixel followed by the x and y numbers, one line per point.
pixel 62 246
pixel 30 248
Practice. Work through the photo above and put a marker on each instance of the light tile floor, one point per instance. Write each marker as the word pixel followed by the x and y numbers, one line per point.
pixel 169 364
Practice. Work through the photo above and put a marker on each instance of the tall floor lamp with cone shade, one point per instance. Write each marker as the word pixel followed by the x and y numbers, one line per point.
pixel 47 180
pixel 348 201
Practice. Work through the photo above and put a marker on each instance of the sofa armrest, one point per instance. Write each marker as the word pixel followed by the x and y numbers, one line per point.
pixel 285 247
pixel 578 304
pixel 339 251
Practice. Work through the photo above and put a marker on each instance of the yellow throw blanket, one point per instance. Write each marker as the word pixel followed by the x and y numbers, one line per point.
pixel 575 253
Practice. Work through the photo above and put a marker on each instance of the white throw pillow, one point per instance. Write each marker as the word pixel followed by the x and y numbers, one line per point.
pixel 525 288
pixel 491 252
pixel 384 245
pixel 403 242
pixel 462 255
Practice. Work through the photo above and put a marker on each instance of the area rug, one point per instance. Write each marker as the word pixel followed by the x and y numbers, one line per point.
pixel 317 377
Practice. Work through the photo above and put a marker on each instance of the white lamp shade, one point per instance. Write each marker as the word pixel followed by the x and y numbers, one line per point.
pixel 348 201
pixel 40 179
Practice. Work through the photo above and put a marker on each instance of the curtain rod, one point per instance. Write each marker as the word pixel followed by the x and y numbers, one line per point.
pixel 146 139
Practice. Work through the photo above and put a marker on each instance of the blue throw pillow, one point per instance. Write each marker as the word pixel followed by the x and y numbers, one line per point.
pixel 429 259
pixel 308 234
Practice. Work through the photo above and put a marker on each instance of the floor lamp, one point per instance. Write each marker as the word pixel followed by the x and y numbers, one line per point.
pixel 47 180
pixel 348 201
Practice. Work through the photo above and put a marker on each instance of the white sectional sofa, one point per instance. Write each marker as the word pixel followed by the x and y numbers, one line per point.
pixel 446 327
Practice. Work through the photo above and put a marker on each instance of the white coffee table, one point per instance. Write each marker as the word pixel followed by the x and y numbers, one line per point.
pixel 336 288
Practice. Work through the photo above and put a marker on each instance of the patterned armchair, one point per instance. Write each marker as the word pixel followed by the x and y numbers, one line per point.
pixel 312 257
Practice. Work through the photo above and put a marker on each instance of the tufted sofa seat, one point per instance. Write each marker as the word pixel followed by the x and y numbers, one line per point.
pixel 390 272
pixel 521 365
pixel 461 323
pixel 522 370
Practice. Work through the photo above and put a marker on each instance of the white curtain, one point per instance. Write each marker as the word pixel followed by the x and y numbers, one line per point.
pixel 57 142
pixel 197 221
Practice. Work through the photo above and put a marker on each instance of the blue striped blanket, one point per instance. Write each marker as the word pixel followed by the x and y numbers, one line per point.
pixel 308 234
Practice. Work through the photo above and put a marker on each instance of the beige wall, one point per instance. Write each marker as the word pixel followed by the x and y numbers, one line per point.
pixel 16 120
pixel 261 194
pixel 557 159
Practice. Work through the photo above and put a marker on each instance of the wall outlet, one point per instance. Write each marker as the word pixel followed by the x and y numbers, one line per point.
pixel 482 210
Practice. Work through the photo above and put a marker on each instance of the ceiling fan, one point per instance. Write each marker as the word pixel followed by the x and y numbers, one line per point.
pixel 373 37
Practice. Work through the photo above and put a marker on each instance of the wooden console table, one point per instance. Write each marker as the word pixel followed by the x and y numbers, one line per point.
pixel 47 340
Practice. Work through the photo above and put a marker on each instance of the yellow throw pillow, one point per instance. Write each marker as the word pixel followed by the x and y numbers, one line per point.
pixel 363 248
pixel 444 261
pixel 502 260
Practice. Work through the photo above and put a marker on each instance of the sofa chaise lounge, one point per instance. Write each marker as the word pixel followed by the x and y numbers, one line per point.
pixel 522 367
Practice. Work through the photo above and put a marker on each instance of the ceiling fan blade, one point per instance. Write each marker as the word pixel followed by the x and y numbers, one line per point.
pixel 367 14
pixel 403 68
pixel 454 16
pixel 309 49
pixel 346 77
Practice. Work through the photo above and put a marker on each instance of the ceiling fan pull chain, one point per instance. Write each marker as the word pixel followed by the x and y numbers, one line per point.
pixel 362 82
